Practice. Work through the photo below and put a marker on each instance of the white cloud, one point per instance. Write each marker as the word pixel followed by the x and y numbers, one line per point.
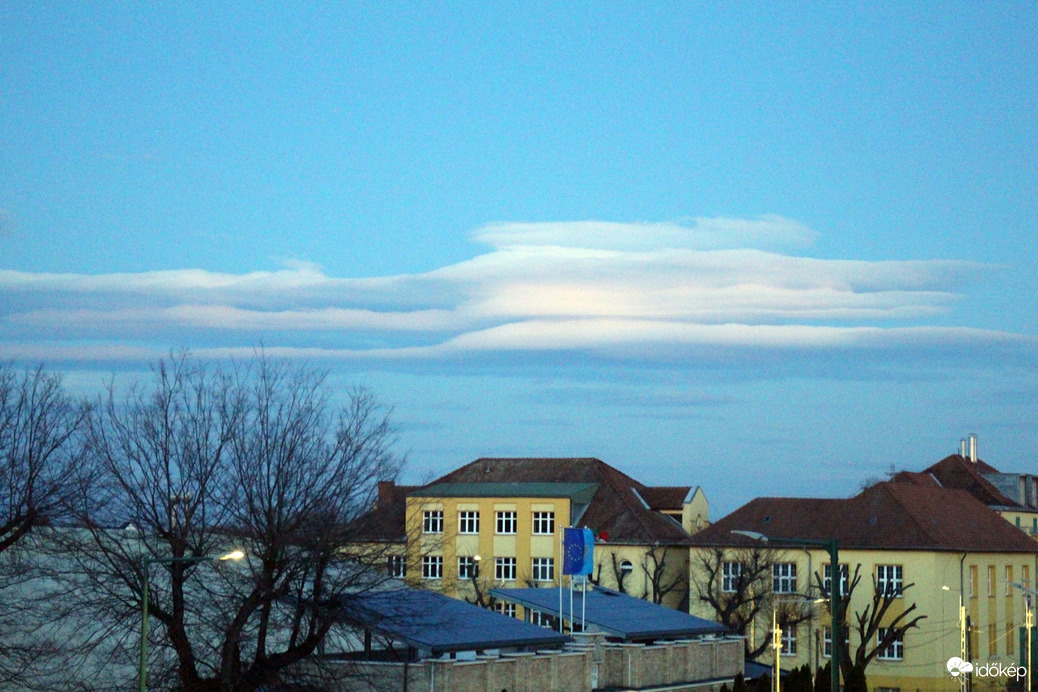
pixel 634 289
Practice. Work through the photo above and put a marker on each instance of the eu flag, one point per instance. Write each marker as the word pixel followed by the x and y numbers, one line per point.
pixel 578 551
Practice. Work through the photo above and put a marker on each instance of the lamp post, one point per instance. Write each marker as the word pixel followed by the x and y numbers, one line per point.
pixel 142 672
pixel 835 585
pixel 962 634
pixel 1030 626
pixel 776 641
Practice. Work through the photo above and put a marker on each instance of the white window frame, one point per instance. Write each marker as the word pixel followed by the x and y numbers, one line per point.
pixel 543 569
pixel 432 567
pixel 544 523
pixel 730 574
pixel 894 652
pixel 784 577
pixel 506 523
pixel 468 522
pixel 432 521
pixel 505 608
pixel 889 580
pixel 396 565
pixel 504 568
pixel 466 567
pixel 845 577
pixel 542 619
pixel 827 641
pixel 789 640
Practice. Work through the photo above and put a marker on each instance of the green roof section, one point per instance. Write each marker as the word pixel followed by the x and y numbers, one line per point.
pixel 579 493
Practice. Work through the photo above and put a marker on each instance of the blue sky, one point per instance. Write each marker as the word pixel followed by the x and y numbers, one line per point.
pixel 765 248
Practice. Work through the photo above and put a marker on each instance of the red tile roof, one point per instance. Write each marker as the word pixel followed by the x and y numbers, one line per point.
pixel 886 516
pixel 616 513
pixel 669 498
pixel 957 471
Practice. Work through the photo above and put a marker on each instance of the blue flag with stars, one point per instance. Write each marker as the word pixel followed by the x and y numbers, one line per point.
pixel 578 551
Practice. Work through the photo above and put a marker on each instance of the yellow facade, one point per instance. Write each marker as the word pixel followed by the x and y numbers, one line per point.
pixel 933 581
pixel 640 565
pixel 1025 520
pixel 488 544
pixel 636 567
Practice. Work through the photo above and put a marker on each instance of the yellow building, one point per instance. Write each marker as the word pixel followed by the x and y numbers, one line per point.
pixel 924 547
pixel 497 522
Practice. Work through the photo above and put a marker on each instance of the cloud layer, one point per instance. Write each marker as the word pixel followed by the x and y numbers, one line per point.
pixel 667 291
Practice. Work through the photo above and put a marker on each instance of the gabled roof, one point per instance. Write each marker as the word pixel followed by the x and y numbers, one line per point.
pixel 666 498
pixel 956 471
pixel 580 493
pixel 615 510
pixel 617 614
pixel 885 516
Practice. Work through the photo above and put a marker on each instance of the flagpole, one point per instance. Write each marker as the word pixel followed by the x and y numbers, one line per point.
pixel 561 563
pixel 583 603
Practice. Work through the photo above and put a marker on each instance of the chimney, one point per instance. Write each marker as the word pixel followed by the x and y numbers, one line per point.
pixel 962 447
pixel 973 447
pixel 386 490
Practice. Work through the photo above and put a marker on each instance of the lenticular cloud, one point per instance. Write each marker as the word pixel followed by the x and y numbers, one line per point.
pixel 669 291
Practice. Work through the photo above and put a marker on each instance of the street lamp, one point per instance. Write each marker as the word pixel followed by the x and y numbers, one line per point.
pixel 1030 626
pixel 962 633
pixel 142 672
pixel 835 584
pixel 776 633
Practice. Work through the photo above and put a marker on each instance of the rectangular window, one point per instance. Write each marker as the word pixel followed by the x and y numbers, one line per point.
pixel 1025 575
pixel 543 569
pixel 544 523
pixel 467 567
pixel 504 568
pixel 542 619
pixel 432 567
pixel 468 522
pixel 1010 636
pixel 973 581
pixel 397 565
pixel 432 521
pixel 889 580
pixel 1009 580
pixel 505 608
pixel 992 639
pixel 991 580
pixel 784 577
pixel 895 651
pixel 506 522
pixel 789 640
pixel 827 641
pixel 827 579
pixel 731 575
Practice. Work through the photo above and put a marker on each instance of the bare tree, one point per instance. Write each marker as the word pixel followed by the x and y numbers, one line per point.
pixel 868 623
pixel 39 425
pixel 737 586
pixel 256 458
pixel 656 568
pixel 38 422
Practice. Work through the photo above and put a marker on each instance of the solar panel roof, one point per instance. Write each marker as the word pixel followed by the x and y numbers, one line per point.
pixel 615 613
pixel 432 621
